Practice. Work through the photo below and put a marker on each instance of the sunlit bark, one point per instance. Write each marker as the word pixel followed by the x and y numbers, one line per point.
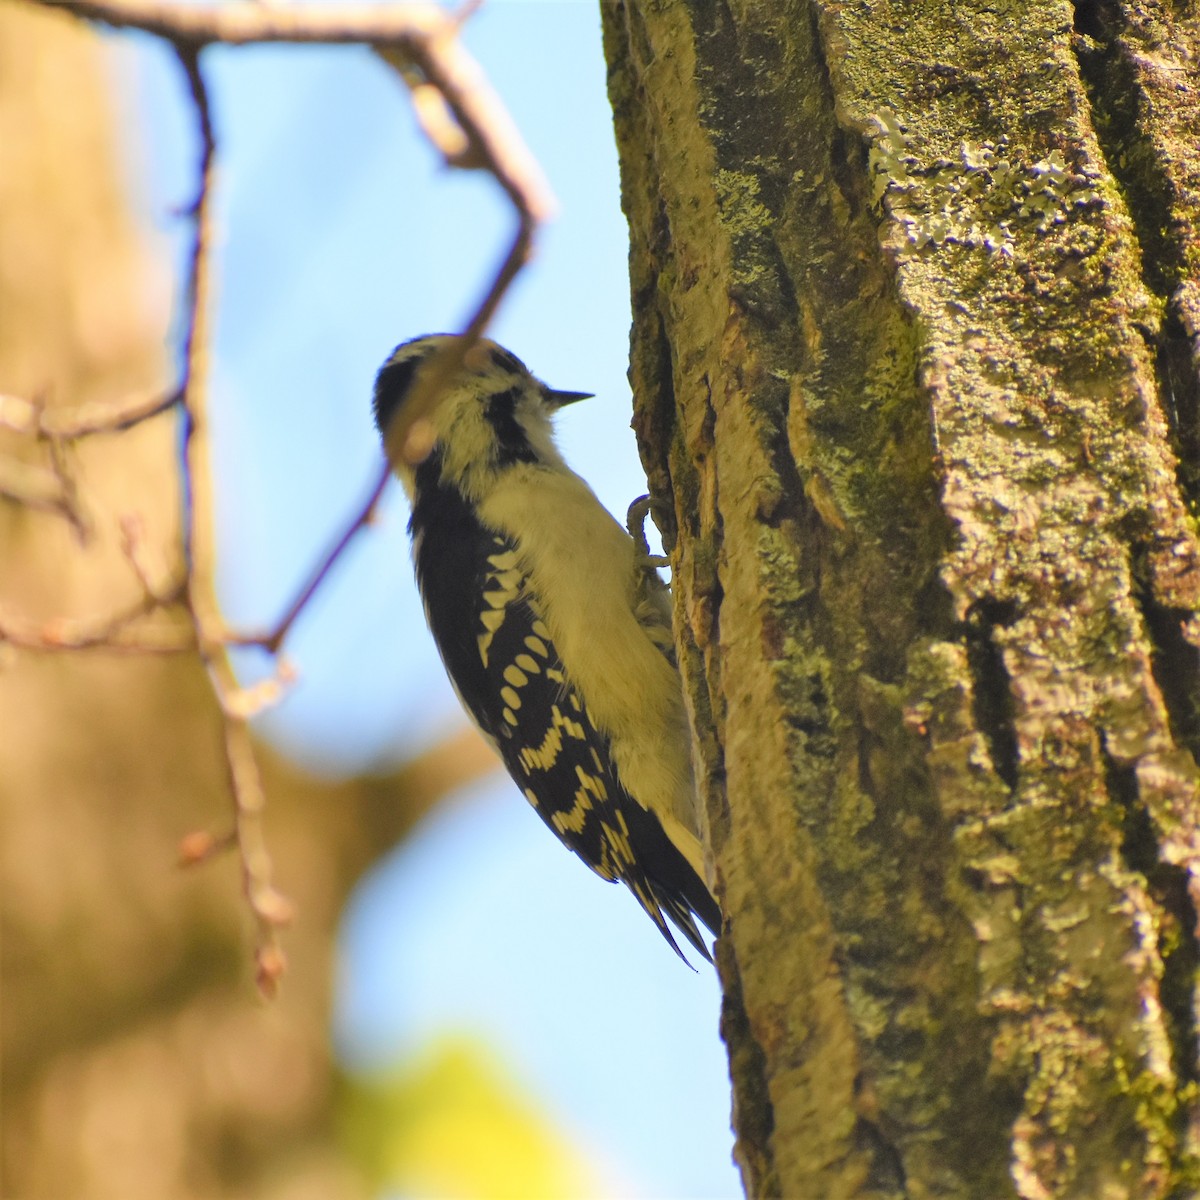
pixel 915 369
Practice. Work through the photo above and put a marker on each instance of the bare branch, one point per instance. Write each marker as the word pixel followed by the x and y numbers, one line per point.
pixel 30 485
pixel 63 469
pixel 465 120
pixel 199 554
pixel 495 145
pixel 134 549
pixel 491 143
pixel 270 909
pixel 420 43
pixel 199 846
pixel 198 535
pixel 409 437
pixel 123 631
pixel 459 112
pixel 53 489
pixel 245 702
pixel 273 640
pixel 27 417
pixel 197 25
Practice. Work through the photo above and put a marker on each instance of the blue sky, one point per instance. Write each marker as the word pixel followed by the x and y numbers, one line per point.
pixel 342 235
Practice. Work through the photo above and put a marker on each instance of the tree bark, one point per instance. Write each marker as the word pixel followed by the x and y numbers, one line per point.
pixel 915 362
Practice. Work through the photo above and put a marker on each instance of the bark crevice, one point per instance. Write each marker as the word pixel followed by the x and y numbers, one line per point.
pixel 1177 946
pixel 753 1114
pixel 1175 666
pixel 991 692
pixel 933 456
pixel 886 1176
pixel 1179 387
pixel 1105 49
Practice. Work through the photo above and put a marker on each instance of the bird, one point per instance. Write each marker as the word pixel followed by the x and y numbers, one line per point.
pixel 553 626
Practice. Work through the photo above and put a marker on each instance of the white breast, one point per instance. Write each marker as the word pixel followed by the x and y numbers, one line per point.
pixel 584 570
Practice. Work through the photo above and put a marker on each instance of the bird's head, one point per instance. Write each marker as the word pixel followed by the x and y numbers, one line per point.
pixel 493 415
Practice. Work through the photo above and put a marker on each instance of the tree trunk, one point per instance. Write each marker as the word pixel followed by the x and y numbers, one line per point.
pixel 915 364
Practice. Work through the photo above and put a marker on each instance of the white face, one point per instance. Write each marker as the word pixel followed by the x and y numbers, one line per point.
pixel 495 416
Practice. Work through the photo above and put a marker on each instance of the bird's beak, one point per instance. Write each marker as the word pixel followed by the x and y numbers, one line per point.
pixel 558 399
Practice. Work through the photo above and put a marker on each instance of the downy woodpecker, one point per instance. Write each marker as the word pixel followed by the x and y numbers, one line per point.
pixel 554 629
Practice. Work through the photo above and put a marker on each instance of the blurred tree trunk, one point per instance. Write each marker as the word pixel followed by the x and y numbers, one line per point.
pixel 137 1063
pixel 915 356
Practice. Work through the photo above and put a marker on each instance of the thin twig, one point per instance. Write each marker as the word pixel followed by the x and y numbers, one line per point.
pixel 465 120
pixel 420 42
pixel 193 394
pixel 273 640
pixel 199 554
pixel 409 436
pixel 125 630
pixel 411 36
pixel 199 846
pixel 64 471
pixel 242 703
pixel 54 488
pixel 270 909
pixel 133 547
pixel 113 635
pixel 31 485
pixel 122 631
pixel 492 143
pixel 240 23
pixel 25 416
pixel 486 128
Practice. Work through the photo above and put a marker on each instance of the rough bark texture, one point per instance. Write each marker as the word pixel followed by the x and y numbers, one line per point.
pixel 915 365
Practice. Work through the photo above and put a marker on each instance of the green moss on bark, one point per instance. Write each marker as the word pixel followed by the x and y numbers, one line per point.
pixel 892 385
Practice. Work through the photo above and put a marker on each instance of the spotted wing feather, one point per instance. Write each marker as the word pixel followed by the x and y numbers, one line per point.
pixel 500 656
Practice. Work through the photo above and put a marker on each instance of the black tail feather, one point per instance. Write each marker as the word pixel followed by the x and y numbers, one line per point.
pixel 680 913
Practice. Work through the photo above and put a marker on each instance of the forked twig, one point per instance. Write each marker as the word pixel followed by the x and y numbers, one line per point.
pixel 199 554
pixel 27 417
pixel 466 122
pixel 272 641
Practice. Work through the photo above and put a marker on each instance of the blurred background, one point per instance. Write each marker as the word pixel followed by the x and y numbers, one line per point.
pixel 468 1012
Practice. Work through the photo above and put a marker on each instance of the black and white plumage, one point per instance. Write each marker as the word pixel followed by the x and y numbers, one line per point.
pixel 553 630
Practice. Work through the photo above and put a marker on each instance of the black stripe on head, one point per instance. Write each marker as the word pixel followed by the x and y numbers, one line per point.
pixel 395 377
pixel 391 386
pixel 511 440
pixel 507 361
